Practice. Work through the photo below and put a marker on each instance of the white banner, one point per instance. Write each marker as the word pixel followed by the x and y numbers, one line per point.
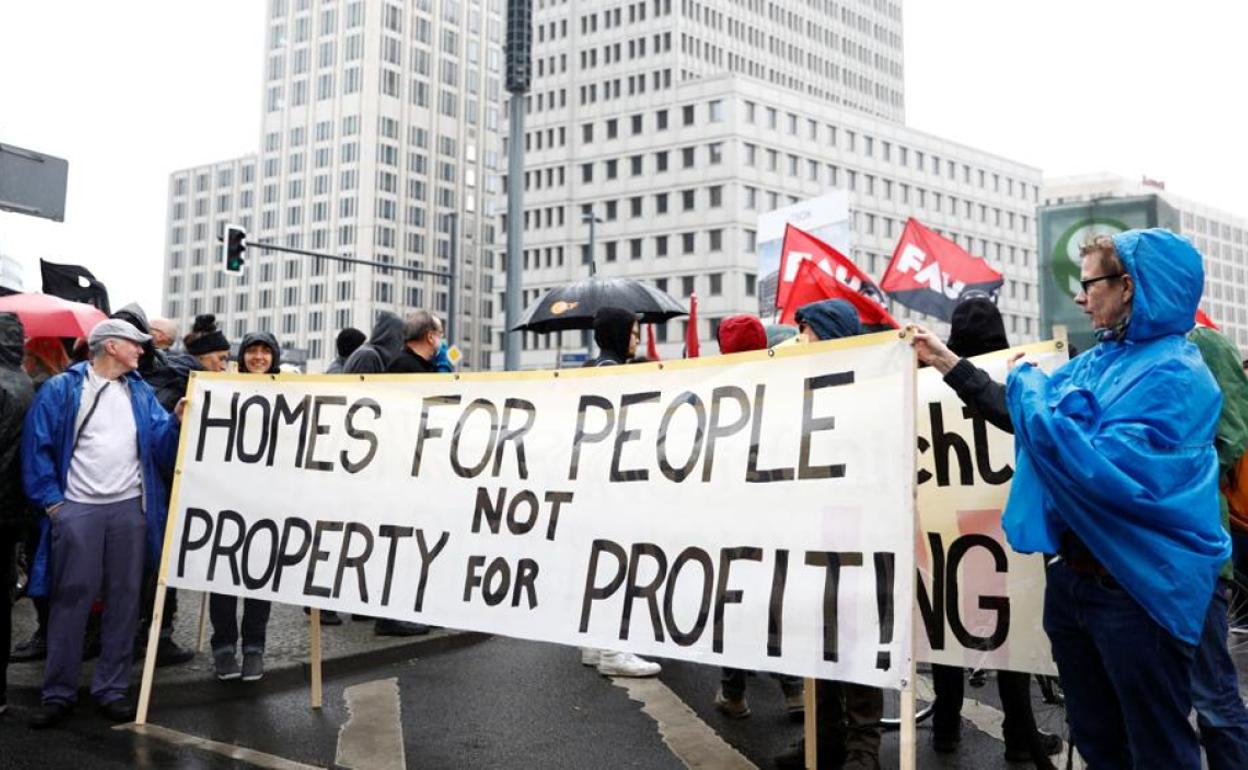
pixel 980 604
pixel 753 511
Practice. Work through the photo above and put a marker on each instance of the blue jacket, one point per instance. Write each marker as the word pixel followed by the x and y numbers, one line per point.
pixel 1117 445
pixel 48 439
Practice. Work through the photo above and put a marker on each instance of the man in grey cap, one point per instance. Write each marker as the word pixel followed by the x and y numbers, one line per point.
pixel 93 445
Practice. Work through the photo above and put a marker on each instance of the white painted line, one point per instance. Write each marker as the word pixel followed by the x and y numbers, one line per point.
pixel 690 739
pixel 229 750
pixel 372 738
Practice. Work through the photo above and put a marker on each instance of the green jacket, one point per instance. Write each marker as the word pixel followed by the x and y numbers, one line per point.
pixel 1223 360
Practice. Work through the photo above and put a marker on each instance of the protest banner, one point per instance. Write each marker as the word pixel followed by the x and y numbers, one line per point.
pixel 753 511
pixel 980 604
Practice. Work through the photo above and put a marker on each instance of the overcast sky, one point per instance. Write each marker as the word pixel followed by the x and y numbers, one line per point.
pixel 1069 86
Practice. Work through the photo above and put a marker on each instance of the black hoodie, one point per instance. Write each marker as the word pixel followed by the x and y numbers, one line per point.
pixel 16 393
pixel 613 332
pixel 152 360
pixel 266 339
pixel 384 344
pixel 977 328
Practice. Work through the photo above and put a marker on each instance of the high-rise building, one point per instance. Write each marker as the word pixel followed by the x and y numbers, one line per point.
pixel 379 139
pixel 1219 236
pixel 678 122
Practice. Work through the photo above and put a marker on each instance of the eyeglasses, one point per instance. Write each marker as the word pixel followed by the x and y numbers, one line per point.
pixel 1087 283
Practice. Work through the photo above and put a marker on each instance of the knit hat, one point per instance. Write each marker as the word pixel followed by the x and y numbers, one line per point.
pixel 740 333
pixel 831 319
pixel 348 340
pixel 206 336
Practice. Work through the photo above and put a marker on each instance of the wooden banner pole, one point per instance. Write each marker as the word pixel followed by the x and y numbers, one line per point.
pixel 314 626
pixel 202 638
pixel 810 722
pixel 149 658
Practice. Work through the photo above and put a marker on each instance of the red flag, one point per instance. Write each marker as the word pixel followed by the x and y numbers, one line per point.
pixel 1204 320
pixel 652 350
pixel 800 246
pixel 929 272
pixel 692 347
pixel 812 284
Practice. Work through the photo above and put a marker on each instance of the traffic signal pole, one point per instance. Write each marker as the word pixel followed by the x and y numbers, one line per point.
pixel 519 63
pixel 447 274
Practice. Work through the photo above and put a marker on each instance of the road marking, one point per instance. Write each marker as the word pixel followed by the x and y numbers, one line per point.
pixel 372 738
pixel 690 739
pixel 250 756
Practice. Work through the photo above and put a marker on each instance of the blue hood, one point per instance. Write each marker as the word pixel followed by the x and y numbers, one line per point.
pixel 1116 446
pixel 831 319
pixel 1169 278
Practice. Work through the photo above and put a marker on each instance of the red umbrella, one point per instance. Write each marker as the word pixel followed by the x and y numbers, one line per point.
pixel 43 315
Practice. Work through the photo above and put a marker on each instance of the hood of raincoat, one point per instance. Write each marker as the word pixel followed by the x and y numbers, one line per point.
pixel 11 341
pixel 387 336
pixel 266 339
pixel 1116 447
pixel 830 318
pixel 1169 278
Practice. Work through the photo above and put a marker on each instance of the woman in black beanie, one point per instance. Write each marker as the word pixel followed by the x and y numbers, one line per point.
pixel 208 344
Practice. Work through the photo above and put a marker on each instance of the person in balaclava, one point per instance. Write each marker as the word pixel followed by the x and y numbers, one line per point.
pixel 848 714
pixel 976 328
pixel 616 333
pixel 384 344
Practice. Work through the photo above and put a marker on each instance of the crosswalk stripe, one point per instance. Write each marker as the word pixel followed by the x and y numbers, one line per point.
pixel 229 750
pixel 372 738
pixel 690 739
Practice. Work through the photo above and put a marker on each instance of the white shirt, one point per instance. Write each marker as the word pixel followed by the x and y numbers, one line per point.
pixel 105 467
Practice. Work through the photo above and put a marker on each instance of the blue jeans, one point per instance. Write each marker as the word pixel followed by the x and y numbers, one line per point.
pixel 1128 682
pixel 222 611
pixel 1220 712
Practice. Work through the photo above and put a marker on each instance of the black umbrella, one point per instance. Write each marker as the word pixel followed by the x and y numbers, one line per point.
pixel 573 306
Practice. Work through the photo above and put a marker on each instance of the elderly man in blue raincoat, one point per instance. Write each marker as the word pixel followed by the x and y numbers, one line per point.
pixel 1116 472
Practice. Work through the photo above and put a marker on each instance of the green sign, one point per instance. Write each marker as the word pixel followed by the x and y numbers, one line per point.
pixel 1063 229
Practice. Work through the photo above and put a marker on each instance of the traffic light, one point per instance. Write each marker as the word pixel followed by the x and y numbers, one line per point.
pixel 233 246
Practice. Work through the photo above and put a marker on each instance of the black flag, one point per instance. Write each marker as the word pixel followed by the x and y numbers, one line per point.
pixel 74 283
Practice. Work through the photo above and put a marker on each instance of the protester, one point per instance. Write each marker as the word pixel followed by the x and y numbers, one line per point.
pixel 976 328
pixel 44 358
pixel 167 375
pixel 349 339
pixel 208 344
pixel 164 333
pixel 16 393
pixel 616 332
pixel 92 446
pixel 375 357
pixel 384 344
pixel 422 341
pixel 738 334
pixel 1220 713
pixel 848 714
pixel 1116 472
pixel 258 353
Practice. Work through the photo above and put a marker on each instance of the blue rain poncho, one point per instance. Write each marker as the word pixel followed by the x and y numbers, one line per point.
pixel 1117 445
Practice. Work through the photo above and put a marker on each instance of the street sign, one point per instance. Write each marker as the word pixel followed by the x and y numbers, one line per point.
pixel 32 183
pixel 1063 229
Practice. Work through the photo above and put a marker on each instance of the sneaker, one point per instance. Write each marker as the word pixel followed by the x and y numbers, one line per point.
pixel 1044 745
pixel 120 710
pixel 861 760
pixel 795 705
pixel 626 664
pixel 225 663
pixel 34 648
pixel 253 666
pixel 169 653
pixel 947 743
pixel 590 656
pixel 330 618
pixel 733 708
pixel 794 758
pixel 388 627
pixel 49 714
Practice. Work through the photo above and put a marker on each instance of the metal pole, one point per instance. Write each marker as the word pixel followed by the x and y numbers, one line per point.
pixel 452 304
pixel 593 264
pixel 515 232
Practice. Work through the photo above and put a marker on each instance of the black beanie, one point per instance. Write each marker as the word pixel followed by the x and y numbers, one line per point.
pixel 348 340
pixel 206 336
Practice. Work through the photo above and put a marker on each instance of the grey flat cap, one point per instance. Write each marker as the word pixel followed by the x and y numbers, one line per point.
pixel 115 327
